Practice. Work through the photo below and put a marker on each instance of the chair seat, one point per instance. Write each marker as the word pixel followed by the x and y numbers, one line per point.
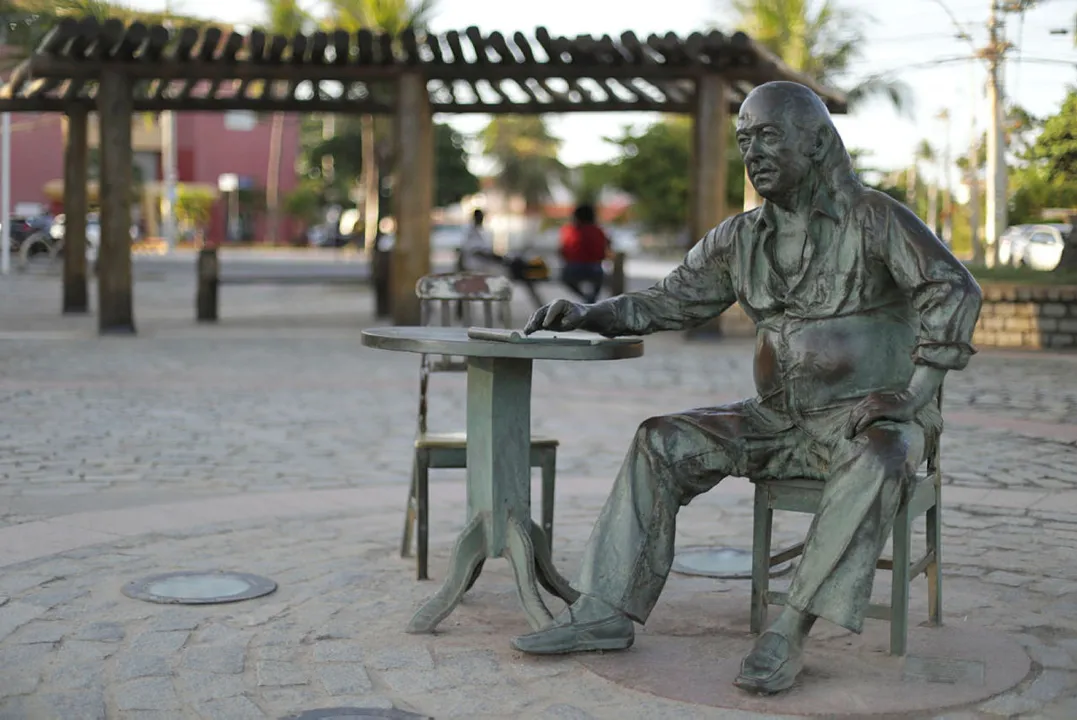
pixel 459 440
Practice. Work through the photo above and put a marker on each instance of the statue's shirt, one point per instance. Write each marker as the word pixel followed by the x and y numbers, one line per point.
pixel 875 294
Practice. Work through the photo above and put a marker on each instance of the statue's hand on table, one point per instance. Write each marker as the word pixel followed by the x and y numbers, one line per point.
pixel 558 316
pixel 877 406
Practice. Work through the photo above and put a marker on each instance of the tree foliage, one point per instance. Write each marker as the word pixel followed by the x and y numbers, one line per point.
pixel 452 177
pixel 655 168
pixel 1056 146
pixel 526 156
pixel 821 39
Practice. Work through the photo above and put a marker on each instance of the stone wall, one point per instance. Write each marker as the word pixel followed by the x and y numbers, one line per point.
pixel 1013 316
pixel 1022 316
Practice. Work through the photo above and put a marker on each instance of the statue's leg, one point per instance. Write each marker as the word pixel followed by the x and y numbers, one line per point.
pixel 866 486
pixel 863 493
pixel 672 459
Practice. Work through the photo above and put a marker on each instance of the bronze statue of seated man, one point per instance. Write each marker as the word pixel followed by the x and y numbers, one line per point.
pixel 859 310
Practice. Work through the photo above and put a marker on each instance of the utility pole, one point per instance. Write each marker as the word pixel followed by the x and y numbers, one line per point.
pixel 995 222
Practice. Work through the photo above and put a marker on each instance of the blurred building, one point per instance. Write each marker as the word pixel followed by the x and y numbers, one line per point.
pixel 208 145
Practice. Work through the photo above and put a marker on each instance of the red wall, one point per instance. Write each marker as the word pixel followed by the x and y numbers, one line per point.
pixel 37 155
pixel 206 149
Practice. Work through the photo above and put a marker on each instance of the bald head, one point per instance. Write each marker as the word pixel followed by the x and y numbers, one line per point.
pixel 785 134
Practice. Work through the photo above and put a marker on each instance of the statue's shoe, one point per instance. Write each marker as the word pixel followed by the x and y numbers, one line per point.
pixel 612 633
pixel 771 667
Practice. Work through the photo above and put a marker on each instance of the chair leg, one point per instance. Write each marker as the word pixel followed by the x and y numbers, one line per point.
pixel 761 531
pixel 422 477
pixel 899 592
pixel 934 568
pixel 549 482
pixel 409 513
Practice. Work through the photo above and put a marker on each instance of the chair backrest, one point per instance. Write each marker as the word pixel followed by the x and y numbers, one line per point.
pixel 458 299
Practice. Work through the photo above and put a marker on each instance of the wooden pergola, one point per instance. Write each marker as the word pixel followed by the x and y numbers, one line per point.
pixel 116 70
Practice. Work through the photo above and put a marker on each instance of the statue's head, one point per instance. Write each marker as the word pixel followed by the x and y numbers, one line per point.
pixel 786 136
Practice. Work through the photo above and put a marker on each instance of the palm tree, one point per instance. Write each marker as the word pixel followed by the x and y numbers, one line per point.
pixel 526 156
pixel 392 17
pixel 284 17
pixel 821 40
pixel 926 153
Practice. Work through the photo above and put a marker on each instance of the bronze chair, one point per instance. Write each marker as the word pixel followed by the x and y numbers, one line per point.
pixel 465 300
pixel 804 496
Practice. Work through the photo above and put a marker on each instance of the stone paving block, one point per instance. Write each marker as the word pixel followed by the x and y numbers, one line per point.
pixel 101 632
pixel 273 673
pixel 42 632
pixel 14 615
pixel 231 708
pixel 207 686
pixel 1009 704
pixel 85 705
pixel 227 659
pixel 337 651
pixel 158 643
pixel 344 678
pixel 130 666
pixel 156 693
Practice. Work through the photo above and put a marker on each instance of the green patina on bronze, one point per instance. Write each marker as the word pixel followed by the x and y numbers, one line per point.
pixel 860 311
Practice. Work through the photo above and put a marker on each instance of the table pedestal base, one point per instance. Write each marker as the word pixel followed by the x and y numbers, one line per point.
pixel 525 549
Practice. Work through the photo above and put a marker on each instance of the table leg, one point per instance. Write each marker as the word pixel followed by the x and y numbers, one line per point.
pixel 552 580
pixel 520 552
pixel 467 554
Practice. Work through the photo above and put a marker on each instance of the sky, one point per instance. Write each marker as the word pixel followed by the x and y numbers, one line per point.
pixel 904 39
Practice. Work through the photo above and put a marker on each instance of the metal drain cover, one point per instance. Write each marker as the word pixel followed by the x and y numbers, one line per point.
pixel 199 588
pixel 353 713
pixel 721 562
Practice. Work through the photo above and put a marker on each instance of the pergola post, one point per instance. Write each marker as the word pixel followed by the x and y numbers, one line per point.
pixel 76 161
pixel 708 167
pixel 114 283
pixel 413 195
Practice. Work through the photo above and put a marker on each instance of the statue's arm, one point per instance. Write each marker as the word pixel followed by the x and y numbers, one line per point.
pixel 941 290
pixel 697 290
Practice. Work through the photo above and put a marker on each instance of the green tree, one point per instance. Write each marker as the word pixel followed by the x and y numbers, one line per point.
pixel 526 156
pixel 393 17
pixel 452 178
pixel 655 168
pixel 1055 147
pixel 820 39
pixel 194 208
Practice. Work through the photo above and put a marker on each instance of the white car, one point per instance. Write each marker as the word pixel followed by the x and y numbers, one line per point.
pixel 1039 246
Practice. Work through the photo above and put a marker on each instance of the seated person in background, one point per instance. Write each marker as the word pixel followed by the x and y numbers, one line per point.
pixel 476 253
pixel 583 248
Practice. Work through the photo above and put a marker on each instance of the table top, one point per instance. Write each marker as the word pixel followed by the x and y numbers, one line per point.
pixel 540 346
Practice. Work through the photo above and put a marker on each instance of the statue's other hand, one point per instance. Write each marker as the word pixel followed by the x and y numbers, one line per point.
pixel 558 316
pixel 879 406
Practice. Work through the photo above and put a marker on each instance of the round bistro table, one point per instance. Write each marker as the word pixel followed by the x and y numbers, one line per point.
pixel 498 453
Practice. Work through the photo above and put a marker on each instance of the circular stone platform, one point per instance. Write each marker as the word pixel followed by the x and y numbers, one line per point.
pixel 845 675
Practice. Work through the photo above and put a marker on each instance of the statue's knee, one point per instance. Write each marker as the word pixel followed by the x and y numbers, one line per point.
pixel 894 447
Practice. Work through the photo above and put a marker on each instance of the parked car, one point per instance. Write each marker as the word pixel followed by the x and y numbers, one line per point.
pixel 1011 238
pixel 1039 246
pixel 24 227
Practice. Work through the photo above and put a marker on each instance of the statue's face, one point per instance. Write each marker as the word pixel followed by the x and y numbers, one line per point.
pixel 777 154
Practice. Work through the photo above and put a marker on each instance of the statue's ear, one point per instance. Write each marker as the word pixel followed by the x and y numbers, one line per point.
pixel 824 139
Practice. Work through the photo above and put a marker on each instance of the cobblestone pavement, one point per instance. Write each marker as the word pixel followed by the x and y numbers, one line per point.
pixel 281 396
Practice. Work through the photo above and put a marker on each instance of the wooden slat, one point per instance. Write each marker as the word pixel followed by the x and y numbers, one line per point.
pixel 365 39
pixel 82 39
pixel 277 46
pixel 479 44
pixel 453 38
pixel 319 41
pixel 410 45
pixel 256 46
pixel 155 44
pixel 297 49
pixel 524 46
pixel 107 39
pixel 211 39
pixel 342 41
pixel 433 43
pixel 552 50
pixel 231 49
pixel 59 36
pixel 188 38
pixel 501 47
pixel 634 48
pixel 132 42
pixel 384 44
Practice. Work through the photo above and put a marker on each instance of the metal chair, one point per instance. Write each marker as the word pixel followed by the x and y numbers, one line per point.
pixel 460 297
pixel 804 496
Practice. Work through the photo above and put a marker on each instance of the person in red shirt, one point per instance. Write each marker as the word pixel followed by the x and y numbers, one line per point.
pixel 583 248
